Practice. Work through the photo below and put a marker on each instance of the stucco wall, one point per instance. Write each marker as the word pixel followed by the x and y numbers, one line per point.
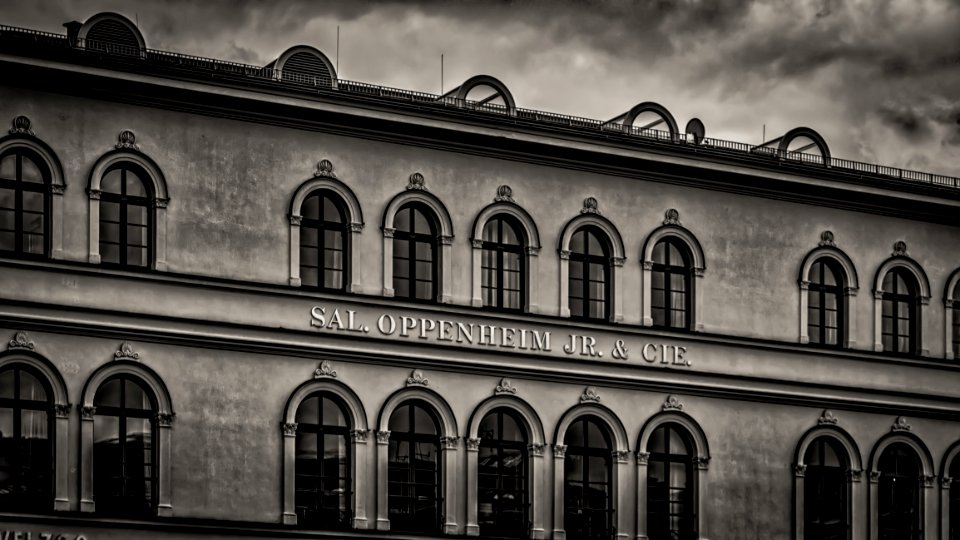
pixel 230 184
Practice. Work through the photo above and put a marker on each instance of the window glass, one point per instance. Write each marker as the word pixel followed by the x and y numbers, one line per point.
pixel 414 248
pixel 589 269
pixel 322 468
pixel 670 497
pixel 899 511
pixel 125 218
pixel 670 280
pixel 588 506
pixel 899 317
pixel 501 474
pixel 413 472
pixel 123 451
pixel 26 454
pixel 23 204
pixel 323 237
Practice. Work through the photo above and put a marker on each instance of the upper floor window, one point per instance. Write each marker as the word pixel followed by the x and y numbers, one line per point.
pixel 670 284
pixel 323 242
pixel 899 494
pixel 502 469
pixel 415 247
pixel 124 453
pixel 824 303
pixel 322 463
pixel 825 490
pixel 589 288
pixel 126 217
pixel 588 480
pixel 503 264
pixel 670 493
pixel 24 203
pixel 900 313
pixel 413 469
pixel 26 448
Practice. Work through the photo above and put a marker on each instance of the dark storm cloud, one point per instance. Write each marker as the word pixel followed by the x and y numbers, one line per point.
pixel 880 80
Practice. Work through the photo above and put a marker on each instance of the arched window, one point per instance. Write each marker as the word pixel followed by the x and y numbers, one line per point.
pixel 589 275
pixel 124 453
pixel 26 446
pixel 503 271
pixel 502 468
pixel 899 512
pixel 825 491
pixel 322 463
pixel 900 313
pixel 413 469
pixel 24 203
pixel 670 493
pixel 825 325
pixel 955 499
pixel 323 242
pixel 415 253
pixel 126 217
pixel 588 482
pixel 670 284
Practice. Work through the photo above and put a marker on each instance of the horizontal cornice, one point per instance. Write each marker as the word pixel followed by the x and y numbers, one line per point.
pixel 496 136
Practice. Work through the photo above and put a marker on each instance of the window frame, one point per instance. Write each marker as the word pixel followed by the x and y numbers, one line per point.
pixel 148 202
pixel 17 404
pixel 321 226
pixel 18 186
pixel 668 270
pixel 912 300
pixel 500 446
pixel 822 290
pixel 584 260
pixel 345 520
pixel 411 438
pixel 498 248
pixel 122 413
pixel 413 238
pixel 606 454
pixel 689 517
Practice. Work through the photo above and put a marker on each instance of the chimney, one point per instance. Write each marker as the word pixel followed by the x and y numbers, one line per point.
pixel 73 31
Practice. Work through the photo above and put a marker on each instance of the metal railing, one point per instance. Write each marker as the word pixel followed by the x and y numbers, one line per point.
pixel 302 82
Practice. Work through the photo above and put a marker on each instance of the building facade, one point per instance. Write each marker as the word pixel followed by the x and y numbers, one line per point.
pixel 263 301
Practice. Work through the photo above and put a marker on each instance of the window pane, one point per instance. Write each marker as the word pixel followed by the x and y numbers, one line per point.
pixel 109 211
pixel 330 211
pixel 136 397
pixel 311 208
pixel 33 201
pixel 510 236
pixel 423 422
pixel 332 414
pixel 660 253
pixel 420 223
pixel 490 230
pixel 7 385
pixel 136 214
pixel 309 411
pixel 108 395
pixel 8 167
pixel 577 242
pixel 31 388
pixel 111 182
pixel 135 185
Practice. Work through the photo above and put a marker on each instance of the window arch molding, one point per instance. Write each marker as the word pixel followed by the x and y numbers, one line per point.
pixel 928 471
pixel 621 454
pixel 850 288
pixel 949 457
pixel 449 442
pixel 281 61
pixel 445 240
pixel 358 442
pixel 354 222
pixel 701 463
pixel 535 434
pixel 695 250
pixel 158 186
pixel 531 250
pixel 951 301
pixel 61 412
pixel 49 159
pixel 164 421
pixel 115 17
pixel 923 298
pixel 591 218
pixel 854 473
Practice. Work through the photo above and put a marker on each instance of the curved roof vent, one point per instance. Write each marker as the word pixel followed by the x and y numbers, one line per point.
pixel 113 33
pixel 304 64
pixel 800 144
pixel 649 118
pixel 483 92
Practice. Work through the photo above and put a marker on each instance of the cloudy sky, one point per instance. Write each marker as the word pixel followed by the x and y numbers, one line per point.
pixel 880 80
